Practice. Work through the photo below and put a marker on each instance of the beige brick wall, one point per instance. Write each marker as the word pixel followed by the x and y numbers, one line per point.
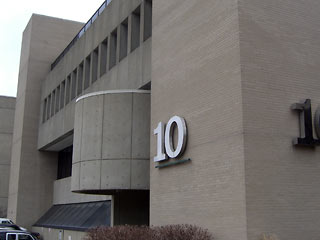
pixel 196 75
pixel 280 66
pixel 232 69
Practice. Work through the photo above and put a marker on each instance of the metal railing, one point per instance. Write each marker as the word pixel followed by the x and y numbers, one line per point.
pixel 81 32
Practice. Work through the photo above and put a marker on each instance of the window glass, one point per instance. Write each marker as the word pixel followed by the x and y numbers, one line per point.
pixel 24 237
pixel 11 236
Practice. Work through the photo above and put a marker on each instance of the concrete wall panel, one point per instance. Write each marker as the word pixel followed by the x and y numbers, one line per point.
pixel 90 174
pixel 3 206
pixel 62 194
pixel 75 180
pixel 73 235
pixel 140 174
pixel 117 125
pixel 140 127
pixel 122 170
pixel 5 148
pixel 7 109
pixel 4 180
pixel 50 233
pixel 92 128
pixel 6 123
pixel 123 118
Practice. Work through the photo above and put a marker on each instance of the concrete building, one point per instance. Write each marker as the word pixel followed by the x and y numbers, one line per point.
pixel 7 105
pixel 209 144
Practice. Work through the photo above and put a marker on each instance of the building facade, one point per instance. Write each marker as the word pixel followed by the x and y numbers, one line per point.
pixel 7 105
pixel 166 112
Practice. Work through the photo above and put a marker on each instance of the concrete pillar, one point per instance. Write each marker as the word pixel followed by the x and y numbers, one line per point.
pixel 33 172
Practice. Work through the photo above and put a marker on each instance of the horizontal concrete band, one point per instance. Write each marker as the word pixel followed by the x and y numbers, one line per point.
pixel 112 92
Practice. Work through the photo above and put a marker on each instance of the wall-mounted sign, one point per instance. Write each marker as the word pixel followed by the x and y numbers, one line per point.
pixel 164 134
pixel 306 127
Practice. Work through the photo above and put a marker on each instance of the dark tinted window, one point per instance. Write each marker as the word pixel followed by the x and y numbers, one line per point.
pixel 11 236
pixel 65 163
pixel 24 237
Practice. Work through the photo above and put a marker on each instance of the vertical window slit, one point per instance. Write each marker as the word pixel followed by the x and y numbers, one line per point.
pixel 68 87
pixel 53 102
pixel 147 20
pixel 74 83
pixel 49 105
pixel 95 56
pixel 80 79
pixel 87 72
pixel 57 99
pixel 62 93
pixel 44 110
pixel 113 48
pixel 135 29
pixel 103 57
pixel 123 39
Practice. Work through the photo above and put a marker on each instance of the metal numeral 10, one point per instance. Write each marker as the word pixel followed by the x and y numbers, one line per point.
pixel 306 129
pixel 164 134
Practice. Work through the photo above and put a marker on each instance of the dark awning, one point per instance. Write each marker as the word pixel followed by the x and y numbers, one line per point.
pixel 76 216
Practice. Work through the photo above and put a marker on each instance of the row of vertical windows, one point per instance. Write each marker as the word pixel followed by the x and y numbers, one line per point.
pixel 89 70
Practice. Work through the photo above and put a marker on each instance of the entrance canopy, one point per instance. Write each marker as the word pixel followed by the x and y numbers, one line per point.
pixel 76 216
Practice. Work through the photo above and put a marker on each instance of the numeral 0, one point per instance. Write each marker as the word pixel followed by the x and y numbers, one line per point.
pixel 165 136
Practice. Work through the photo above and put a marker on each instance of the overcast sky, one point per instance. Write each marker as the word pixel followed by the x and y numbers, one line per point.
pixel 14 16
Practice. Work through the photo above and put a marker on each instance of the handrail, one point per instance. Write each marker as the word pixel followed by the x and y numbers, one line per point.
pixel 81 32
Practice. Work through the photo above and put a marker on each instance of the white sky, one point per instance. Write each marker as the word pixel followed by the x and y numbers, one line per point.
pixel 14 16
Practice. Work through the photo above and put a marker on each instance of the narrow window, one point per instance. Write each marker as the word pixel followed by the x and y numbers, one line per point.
pixel 49 104
pixel 80 77
pixel 57 99
pixel 147 19
pixel 87 72
pixel 135 29
pixel 68 89
pixel 123 39
pixel 74 84
pixel 11 236
pixel 65 163
pixel 53 102
pixel 44 110
pixel 62 94
pixel 113 49
pixel 103 57
pixel 95 56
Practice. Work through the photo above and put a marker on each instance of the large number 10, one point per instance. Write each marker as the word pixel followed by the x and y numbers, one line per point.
pixel 165 136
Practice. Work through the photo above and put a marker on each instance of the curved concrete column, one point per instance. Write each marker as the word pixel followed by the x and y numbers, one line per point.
pixel 111 142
